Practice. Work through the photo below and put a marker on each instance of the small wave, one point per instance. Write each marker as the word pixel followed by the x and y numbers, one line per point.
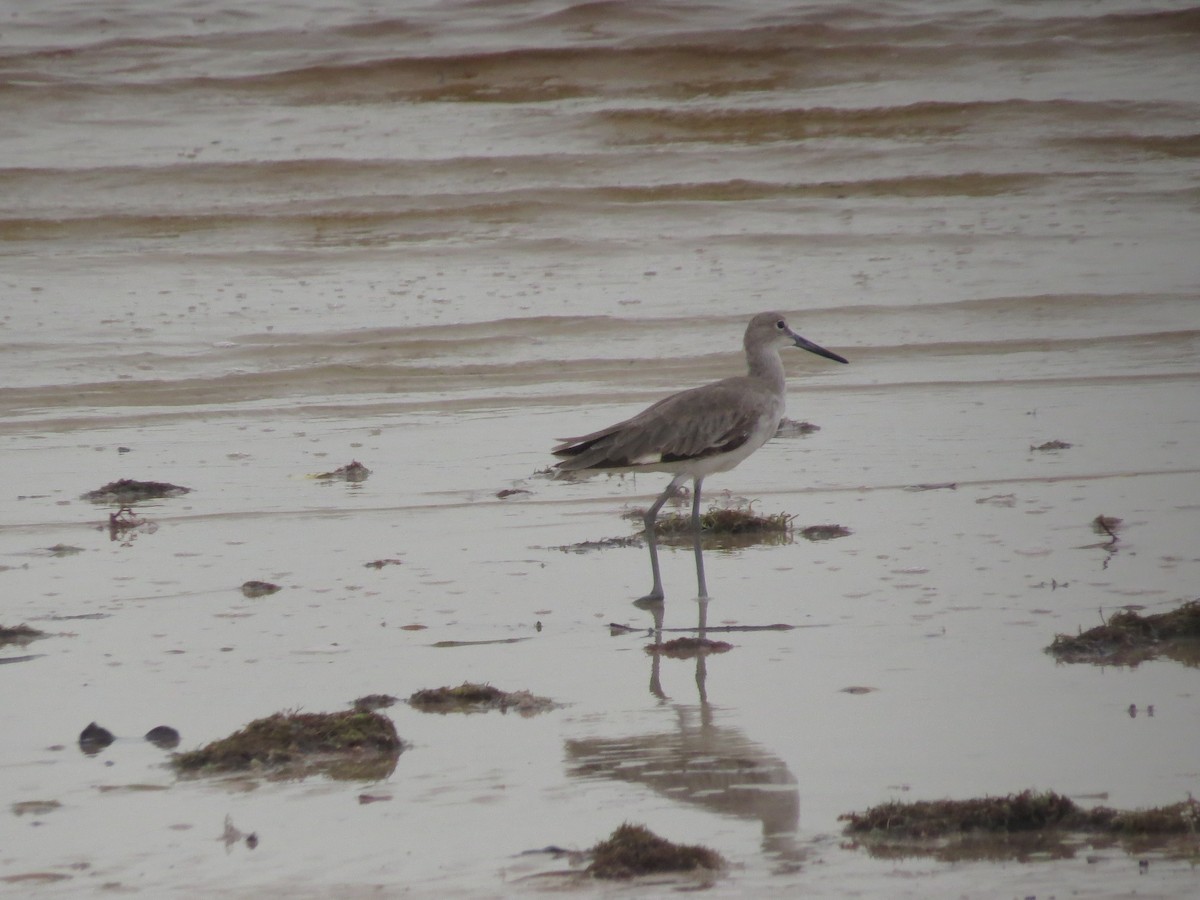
pixel 1179 146
pixel 914 121
pixel 597 48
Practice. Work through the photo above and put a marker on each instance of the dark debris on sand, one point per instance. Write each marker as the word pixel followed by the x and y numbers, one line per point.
pixel 254 589
pixel 19 635
pixel 127 490
pixel 163 736
pixel 688 647
pixel 824 532
pixel 353 471
pixel 380 563
pixel 374 701
pixel 95 738
pixel 602 544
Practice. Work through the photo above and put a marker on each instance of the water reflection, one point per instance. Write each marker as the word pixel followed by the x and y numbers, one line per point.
pixel 712 766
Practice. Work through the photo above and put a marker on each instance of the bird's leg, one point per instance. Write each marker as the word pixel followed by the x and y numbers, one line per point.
pixel 656 592
pixel 700 583
pixel 697 482
pixel 656 688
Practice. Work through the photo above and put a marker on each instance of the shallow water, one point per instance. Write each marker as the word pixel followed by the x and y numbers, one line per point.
pixel 241 248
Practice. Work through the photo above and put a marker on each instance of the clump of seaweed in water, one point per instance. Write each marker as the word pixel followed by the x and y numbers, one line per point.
pixel 602 544
pixel 374 701
pixel 469 697
pixel 824 532
pixel 1027 811
pixel 1050 446
pixel 734 520
pixel 128 490
pixel 634 850
pixel 1127 638
pixel 355 744
pixel 19 635
pixel 353 471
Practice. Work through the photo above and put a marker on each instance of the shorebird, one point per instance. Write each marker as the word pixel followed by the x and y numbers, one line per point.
pixel 696 432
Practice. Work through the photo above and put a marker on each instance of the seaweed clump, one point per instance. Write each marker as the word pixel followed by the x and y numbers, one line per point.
pixel 718 520
pixel 128 490
pixel 733 526
pixel 254 589
pixel 469 697
pixel 371 702
pixel 634 850
pixel 824 532
pixel 1035 821
pixel 1127 638
pixel 1026 811
pixel 602 544
pixel 355 744
pixel 19 635
pixel 354 471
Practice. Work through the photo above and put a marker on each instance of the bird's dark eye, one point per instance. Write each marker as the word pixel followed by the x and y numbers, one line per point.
pixel 781 324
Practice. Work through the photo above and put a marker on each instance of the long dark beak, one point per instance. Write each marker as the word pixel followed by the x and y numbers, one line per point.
pixel 806 344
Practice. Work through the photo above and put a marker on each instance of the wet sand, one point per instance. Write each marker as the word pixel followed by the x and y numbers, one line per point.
pixel 941 599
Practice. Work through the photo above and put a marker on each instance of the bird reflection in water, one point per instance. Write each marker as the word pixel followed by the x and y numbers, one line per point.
pixel 699 762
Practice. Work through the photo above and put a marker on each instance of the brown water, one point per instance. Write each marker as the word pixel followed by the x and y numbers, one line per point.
pixel 250 245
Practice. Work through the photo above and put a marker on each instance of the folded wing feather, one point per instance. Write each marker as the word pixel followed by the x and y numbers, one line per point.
pixel 712 419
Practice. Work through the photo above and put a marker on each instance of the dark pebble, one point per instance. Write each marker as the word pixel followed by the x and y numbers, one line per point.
pixel 164 737
pixel 94 738
pixel 259 588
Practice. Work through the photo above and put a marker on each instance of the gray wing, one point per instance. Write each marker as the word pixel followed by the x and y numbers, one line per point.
pixel 715 418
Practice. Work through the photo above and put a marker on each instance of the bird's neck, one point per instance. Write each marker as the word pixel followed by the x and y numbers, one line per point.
pixel 766 365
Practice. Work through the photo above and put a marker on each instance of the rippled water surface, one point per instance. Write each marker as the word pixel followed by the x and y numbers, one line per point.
pixel 239 247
